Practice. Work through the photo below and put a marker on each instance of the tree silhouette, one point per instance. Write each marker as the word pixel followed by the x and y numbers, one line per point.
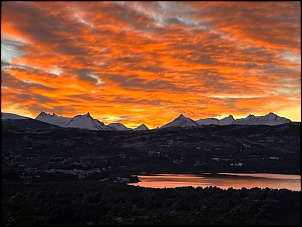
pixel 21 211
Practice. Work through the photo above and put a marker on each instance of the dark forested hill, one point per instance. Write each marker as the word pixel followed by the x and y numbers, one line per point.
pixel 231 148
pixel 70 176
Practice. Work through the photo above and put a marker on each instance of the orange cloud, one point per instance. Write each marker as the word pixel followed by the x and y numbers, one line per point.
pixel 147 62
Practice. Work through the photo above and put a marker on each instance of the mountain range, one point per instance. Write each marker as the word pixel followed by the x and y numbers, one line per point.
pixel 86 121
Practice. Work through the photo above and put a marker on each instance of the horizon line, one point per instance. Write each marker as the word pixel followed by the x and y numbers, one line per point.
pixel 226 115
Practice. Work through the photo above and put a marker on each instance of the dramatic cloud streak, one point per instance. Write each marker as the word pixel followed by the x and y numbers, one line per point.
pixel 146 62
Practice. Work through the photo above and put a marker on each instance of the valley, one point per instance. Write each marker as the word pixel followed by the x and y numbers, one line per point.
pixel 53 175
pixel 80 153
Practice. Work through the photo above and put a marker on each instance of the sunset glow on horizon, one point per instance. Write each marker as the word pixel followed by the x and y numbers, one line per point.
pixel 148 62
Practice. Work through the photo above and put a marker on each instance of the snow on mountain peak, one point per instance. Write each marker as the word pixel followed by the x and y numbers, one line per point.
pixel 227 120
pixel 42 113
pixel 141 127
pixel 86 122
pixel 231 117
pixel 271 116
pixel 273 119
pixel 268 119
pixel 85 115
pixel 181 117
pixel 118 126
pixel 181 121
pixel 7 116
pixel 208 121
pixel 53 119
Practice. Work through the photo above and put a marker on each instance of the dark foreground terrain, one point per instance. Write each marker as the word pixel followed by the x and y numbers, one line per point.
pixel 94 202
pixel 52 175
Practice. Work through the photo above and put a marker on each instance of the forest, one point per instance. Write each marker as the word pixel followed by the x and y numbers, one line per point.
pixel 104 203
pixel 57 176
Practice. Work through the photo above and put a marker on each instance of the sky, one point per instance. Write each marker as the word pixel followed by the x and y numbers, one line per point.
pixel 147 62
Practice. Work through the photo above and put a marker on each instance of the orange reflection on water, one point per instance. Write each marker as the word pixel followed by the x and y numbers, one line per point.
pixel 222 180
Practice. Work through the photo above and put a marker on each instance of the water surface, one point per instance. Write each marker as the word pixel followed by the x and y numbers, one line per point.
pixel 222 180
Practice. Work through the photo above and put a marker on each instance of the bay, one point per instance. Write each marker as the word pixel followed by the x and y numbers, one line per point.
pixel 221 180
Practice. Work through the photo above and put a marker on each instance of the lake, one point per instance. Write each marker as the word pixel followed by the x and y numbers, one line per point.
pixel 221 180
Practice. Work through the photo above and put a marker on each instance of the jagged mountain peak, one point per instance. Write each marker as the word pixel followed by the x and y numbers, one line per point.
pixel 271 115
pixel 268 119
pixel 86 122
pixel 53 119
pixel 141 127
pixel 227 120
pixel 42 113
pixel 86 115
pixel 230 116
pixel 118 126
pixel 181 121
pixel 181 117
